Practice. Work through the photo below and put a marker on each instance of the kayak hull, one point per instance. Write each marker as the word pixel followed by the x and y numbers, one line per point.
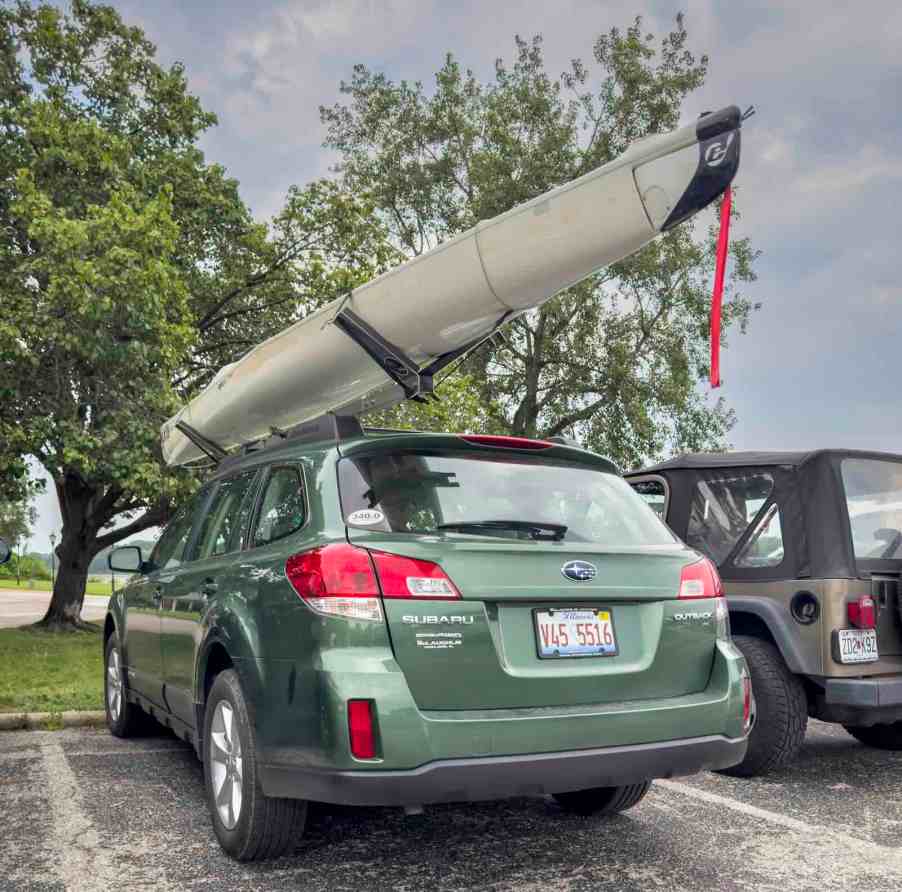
pixel 462 290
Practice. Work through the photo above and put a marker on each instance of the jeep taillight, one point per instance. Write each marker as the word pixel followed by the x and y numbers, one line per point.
pixel 406 577
pixel 337 580
pixel 700 580
pixel 863 613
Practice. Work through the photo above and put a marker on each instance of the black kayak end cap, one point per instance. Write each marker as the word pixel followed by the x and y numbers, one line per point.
pixel 718 160
pixel 712 124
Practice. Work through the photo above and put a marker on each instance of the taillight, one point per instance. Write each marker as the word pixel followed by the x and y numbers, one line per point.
pixel 360 729
pixel 501 442
pixel 700 580
pixel 406 577
pixel 863 613
pixel 338 580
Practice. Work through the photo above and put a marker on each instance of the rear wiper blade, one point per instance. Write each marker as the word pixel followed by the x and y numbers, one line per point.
pixel 556 531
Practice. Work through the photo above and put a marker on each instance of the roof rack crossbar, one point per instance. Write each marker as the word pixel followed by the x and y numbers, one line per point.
pixel 208 447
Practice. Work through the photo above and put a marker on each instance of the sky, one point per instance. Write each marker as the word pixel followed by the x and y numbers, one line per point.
pixel 818 187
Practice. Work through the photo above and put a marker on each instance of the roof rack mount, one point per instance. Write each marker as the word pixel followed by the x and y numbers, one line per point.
pixel 418 384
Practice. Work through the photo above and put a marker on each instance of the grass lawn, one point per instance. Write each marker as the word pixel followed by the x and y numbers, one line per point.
pixel 43 585
pixel 50 671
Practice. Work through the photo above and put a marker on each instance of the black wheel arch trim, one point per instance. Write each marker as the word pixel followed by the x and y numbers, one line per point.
pixel 779 622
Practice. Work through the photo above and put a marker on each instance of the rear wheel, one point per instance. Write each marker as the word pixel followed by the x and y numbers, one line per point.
pixel 249 825
pixel 882 737
pixel 124 719
pixel 782 710
pixel 602 800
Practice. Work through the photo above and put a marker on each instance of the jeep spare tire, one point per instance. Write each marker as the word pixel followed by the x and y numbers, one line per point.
pixel 782 710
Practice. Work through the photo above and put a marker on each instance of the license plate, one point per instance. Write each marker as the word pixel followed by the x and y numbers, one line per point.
pixel 857 645
pixel 575 633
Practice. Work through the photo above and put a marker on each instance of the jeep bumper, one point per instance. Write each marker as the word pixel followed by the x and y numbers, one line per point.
pixel 860 701
pixel 499 777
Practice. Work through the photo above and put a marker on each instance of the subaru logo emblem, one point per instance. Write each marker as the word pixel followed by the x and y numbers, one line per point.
pixel 579 571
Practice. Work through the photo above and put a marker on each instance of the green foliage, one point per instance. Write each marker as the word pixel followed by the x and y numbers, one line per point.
pixel 16 521
pixel 29 566
pixel 460 409
pixel 616 361
pixel 130 268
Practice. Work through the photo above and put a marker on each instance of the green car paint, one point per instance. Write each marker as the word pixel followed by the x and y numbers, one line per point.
pixel 464 706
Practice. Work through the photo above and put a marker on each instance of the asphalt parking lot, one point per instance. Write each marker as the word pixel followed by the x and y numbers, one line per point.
pixel 80 810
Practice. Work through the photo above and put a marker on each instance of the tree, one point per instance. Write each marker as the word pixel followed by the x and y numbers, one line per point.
pixel 130 270
pixel 616 360
pixel 16 521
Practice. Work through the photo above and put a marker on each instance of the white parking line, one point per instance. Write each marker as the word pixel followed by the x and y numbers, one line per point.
pixel 82 863
pixel 30 754
pixel 85 863
pixel 889 857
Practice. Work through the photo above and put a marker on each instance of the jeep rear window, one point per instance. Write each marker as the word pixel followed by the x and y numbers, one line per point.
pixel 417 492
pixel 874 500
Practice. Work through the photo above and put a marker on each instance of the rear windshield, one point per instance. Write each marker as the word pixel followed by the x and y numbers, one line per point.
pixel 420 492
pixel 874 499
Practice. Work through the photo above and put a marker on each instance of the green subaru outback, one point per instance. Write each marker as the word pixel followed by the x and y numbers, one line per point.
pixel 389 618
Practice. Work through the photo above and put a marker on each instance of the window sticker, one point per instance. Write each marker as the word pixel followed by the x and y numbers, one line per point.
pixel 366 517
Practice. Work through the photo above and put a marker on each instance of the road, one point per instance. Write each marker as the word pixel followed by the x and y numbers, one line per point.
pixel 84 811
pixel 20 607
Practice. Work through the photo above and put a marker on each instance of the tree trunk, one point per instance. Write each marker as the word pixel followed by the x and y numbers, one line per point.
pixel 78 545
pixel 86 509
pixel 69 589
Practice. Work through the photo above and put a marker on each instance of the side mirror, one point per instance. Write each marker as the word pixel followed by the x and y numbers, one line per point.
pixel 5 551
pixel 126 559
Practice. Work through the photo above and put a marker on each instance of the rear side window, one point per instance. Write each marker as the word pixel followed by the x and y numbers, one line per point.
pixel 654 494
pixel 494 494
pixel 724 505
pixel 283 508
pixel 225 517
pixel 764 547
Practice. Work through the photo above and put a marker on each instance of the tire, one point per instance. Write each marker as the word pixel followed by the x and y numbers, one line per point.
pixel 124 719
pixel 881 737
pixel 782 710
pixel 249 826
pixel 602 800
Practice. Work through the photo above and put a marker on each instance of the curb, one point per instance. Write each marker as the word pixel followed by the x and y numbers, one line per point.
pixel 50 721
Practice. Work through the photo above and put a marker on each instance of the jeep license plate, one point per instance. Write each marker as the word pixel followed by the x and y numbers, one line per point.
pixel 857 645
pixel 575 633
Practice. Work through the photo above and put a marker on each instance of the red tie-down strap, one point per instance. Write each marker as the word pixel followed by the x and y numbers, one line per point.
pixel 723 244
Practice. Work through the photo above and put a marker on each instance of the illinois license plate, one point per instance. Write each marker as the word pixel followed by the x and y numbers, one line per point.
pixel 575 633
pixel 857 645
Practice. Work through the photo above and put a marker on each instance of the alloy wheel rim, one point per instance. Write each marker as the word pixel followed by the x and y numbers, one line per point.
pixel 226 765
pixel 114 684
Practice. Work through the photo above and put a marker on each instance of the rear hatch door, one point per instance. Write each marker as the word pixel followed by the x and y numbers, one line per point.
pixel 486 649
pixel 463 503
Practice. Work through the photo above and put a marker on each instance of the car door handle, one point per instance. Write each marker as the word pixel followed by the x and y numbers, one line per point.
pixel 209 588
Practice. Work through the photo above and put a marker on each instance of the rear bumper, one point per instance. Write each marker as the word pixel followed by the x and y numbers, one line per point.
pixel 500 777
pixel 861 701
pixel 866 692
